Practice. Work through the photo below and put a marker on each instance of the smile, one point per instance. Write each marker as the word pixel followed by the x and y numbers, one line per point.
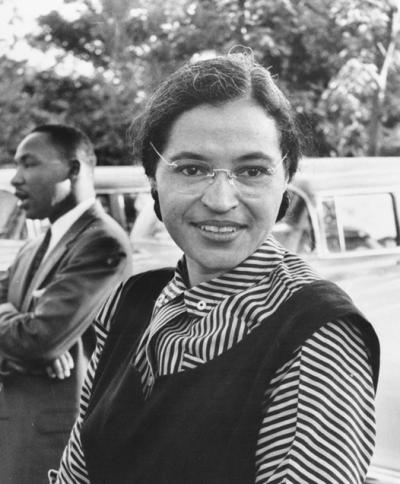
pixel 219 230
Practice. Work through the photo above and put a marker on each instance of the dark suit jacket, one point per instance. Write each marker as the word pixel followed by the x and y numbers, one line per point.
pixel 39 323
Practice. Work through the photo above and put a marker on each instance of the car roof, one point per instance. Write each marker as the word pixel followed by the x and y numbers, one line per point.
pixel 315 176
pixel 327 175
pixel 107 179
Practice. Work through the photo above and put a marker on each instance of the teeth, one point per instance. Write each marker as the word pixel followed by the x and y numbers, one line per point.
pixel 219 230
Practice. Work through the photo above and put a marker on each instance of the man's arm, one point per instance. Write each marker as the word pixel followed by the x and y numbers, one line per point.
pixel 66 306
pixel 319 423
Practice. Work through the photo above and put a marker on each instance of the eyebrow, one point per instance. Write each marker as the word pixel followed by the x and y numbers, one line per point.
pixel 188 154
pixel 255 155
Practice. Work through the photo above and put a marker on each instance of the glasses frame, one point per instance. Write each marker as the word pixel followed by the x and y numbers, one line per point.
pixel 213 171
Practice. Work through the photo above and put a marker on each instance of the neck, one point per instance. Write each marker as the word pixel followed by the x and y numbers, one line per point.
pixel 194 275
pixel 63 207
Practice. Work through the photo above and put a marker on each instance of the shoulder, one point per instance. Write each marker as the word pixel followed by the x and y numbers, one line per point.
pixel 335 351
pixel 347 345
pixel 96 233
pixel 145 287
pixel 148 282
pixel 288 276
pixel 104 224
pixel 294 271
pixel 342 334
pixel 338 349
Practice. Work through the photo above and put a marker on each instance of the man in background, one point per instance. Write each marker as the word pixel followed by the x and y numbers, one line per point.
pixel 49 297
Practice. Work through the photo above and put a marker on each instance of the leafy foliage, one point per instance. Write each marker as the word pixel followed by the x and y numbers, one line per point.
pixel 337 60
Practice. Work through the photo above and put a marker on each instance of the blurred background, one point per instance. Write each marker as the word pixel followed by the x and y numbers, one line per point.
pixel 93 63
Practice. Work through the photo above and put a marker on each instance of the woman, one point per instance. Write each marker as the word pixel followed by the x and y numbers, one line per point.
pixel 243 365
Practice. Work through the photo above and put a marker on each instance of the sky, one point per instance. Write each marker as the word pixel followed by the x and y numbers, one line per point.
pixel 19 18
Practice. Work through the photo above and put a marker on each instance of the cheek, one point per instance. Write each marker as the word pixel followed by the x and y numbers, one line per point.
pixel 266 210
pixel 172 204
pixel 171 207
pixel 40 187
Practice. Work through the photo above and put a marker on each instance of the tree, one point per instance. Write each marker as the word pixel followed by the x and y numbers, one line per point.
pixel 336 59
pixel 360 96
pixel 20 111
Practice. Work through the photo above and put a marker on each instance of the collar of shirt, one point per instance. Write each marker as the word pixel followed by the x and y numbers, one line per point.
pixel 200 299
pixel 65 222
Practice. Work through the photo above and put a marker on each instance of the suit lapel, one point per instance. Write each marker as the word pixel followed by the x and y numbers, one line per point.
pixel 58 252
pixel 18 279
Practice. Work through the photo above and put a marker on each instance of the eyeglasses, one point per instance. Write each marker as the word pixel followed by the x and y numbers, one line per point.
pixel 194 176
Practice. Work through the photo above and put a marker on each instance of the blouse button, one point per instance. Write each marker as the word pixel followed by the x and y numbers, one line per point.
pixel 201 305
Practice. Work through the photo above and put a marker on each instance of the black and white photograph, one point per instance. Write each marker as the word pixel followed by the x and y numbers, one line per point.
pixel 199 241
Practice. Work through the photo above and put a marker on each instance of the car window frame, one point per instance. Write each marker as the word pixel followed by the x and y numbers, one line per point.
pixel 323 196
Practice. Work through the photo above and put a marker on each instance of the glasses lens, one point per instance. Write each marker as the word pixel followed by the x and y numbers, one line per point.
pixel 192 177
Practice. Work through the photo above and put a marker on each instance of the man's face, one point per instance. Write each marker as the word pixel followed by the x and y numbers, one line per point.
pixel 42 178
pixel 220 223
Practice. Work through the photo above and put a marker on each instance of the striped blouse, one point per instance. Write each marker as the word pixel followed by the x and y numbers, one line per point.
pixel 318 425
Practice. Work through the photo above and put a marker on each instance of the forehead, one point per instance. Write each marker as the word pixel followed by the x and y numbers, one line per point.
pixel 240 125
pixel 40 147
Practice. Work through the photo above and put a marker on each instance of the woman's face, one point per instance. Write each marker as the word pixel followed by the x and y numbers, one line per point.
pixel 218 222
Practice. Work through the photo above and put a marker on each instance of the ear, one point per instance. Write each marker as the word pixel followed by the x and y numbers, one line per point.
pixel 75 168
pixel 157 207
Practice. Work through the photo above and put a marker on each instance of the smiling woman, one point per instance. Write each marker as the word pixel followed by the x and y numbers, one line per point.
pixel 242 365
pixel 217 220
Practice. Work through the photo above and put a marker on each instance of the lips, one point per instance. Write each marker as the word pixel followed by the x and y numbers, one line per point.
pixel 219 227
pixel 221 230
pixel 23 199
pixel 21 195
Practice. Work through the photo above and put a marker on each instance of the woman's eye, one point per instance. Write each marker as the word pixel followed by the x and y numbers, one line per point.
pixel 255 171
pixel 192 169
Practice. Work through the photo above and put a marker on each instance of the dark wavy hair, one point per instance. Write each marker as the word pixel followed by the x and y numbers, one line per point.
pixel 214 81
pixel 71 142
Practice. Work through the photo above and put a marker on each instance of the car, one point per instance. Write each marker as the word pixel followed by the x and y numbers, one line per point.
pixel 343 218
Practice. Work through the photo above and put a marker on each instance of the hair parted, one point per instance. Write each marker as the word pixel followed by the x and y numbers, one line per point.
pixel 214 81
pixel 70 141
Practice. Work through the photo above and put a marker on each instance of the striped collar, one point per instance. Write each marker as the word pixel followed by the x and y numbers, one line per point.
pixel 200 299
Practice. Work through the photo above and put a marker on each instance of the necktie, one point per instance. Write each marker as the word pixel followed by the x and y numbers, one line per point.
pixel 39 256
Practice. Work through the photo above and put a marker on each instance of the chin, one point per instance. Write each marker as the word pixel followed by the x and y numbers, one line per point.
pixel 219 264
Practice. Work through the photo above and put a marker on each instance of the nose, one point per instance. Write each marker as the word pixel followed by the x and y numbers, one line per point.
pixel 221 194
pixel 17 179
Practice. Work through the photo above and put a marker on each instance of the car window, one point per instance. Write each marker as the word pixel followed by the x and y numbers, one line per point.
pixel 295 230
pixel 121 206
pixel 359 222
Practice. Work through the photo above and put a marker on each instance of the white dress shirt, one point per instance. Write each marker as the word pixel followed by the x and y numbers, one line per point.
pixel 61 226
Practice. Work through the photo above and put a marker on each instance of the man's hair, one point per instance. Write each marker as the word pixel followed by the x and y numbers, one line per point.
pixel 70 141
pixel 214 81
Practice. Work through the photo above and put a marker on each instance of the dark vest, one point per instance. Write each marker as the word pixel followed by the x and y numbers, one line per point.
pixel 199 426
